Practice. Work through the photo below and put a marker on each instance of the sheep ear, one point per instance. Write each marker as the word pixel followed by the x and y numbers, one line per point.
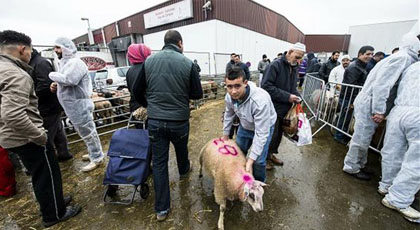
pixel 246 190
pixel 261 183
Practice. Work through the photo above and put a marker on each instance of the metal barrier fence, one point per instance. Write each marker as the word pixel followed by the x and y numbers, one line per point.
pixel 112 109
pixel 334 108
pixel 312 92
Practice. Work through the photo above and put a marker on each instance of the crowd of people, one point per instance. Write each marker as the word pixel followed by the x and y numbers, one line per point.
pixel 34 95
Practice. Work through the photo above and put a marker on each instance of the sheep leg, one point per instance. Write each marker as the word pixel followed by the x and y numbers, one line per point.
pixel 201 166
pixel 220 223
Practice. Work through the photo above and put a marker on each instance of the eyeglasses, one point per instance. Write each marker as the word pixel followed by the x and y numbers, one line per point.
pixel 236 86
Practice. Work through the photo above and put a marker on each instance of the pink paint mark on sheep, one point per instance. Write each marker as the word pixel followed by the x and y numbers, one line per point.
pixel 247 178
pixel 217 141
pixel 228 150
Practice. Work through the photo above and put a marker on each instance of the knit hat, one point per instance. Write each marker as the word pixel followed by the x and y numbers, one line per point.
pixel 298 46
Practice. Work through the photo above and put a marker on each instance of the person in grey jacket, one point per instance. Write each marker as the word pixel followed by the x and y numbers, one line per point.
pixel 261 67
pixel 257 117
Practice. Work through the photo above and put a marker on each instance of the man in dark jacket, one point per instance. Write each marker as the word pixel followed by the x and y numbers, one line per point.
pixel 355 74
pixel 231 62
pixel 170 80
pixel 279 80
pixel 325 70
pixel 243 66
pixel 48 105
pixel 376 58
pixel 312 60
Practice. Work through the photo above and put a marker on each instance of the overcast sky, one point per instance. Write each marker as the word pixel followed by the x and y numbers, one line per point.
pixel 47 19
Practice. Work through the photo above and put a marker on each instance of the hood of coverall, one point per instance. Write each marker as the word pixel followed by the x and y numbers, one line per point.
pixel 410 42
pixel 67 46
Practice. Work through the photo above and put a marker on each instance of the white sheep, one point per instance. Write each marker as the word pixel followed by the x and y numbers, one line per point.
pixel 225 163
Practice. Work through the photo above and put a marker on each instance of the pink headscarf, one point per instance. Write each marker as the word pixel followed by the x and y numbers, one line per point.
pixel 137 53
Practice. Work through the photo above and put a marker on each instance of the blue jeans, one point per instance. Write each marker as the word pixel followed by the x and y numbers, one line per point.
pixel 160 134
pixel 244 140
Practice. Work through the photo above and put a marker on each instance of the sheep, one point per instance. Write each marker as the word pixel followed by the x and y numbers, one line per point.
pixel 104 106
pixel 225 163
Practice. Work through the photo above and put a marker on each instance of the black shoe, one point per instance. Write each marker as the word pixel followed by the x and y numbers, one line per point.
pixel 360 175
pixel 67 199
pixel 63 159
pixel 367 170
pixel 183 176
pixel 341 141
pixel 71 211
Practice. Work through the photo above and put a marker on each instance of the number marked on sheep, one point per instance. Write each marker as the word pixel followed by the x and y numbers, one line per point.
pixel 226 149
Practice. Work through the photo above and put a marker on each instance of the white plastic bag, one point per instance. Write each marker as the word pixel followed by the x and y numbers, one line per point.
pixel 304 132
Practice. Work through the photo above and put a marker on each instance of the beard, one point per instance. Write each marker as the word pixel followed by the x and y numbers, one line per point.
pixel 59 55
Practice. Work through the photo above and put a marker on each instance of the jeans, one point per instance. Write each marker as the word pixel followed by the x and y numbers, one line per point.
pixel 46 178
pixel 162 132
pixel 343 122
pixel 244 140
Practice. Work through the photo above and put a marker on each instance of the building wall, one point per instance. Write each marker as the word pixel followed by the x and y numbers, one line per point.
pixel 317 43
pixel 217 37
pixel 382 36
pixel 245 13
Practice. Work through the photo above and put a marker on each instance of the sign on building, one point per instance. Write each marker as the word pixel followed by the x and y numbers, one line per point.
pixel 168 14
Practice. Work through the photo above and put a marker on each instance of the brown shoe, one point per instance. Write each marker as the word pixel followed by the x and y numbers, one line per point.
pixel 269 166
pixel 275 160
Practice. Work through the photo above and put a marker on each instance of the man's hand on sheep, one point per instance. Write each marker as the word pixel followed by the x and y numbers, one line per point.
pixel 53 87
pixel 248 166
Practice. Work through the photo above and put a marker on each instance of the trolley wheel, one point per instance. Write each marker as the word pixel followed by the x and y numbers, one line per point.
pixel 111 190
pixel 144 191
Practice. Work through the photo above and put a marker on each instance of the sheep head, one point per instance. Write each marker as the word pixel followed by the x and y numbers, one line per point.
pixel 253 192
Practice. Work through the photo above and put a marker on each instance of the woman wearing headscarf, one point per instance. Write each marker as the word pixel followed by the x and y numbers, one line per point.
pixel 137 54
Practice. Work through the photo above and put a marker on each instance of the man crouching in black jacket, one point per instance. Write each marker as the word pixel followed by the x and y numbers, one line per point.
pixel 279 81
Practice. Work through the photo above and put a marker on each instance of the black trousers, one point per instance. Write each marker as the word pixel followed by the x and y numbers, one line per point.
pixel 276 138
pixel 46 178
pixel 56 134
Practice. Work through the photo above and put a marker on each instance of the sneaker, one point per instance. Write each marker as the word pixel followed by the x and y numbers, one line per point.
pixel 91 166
pixel 85 157
pixel 71 211
pixel 275 160
pixel 408 212
pixel 162 215
pixel 188 172
pixel 360 175
pixel 382 192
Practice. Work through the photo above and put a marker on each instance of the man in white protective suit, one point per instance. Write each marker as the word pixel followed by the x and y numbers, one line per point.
pixel 74 89
pixel 371 107
pixel 401 152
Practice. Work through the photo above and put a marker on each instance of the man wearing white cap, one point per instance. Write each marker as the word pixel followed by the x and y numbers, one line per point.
pixel 279 81
pixel 337 73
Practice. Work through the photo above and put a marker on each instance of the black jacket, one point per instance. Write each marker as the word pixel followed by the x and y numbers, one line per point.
pixel 325 70
pixel 168 81
pixel 133 76
pixel 279 81
pixel 245 68
pixel 47 101
pixel 355 74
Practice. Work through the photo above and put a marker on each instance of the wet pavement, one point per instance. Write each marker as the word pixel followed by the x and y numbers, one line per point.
pixel 309 192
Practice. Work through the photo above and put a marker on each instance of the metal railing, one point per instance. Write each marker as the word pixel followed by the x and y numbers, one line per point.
pixel 334 108
pixel 312 92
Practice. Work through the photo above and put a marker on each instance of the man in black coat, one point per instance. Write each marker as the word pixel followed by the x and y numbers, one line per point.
pixel 243 66
pixel 48 105
pixel 325 70
pixel 279 80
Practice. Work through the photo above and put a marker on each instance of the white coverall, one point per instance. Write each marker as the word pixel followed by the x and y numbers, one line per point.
pixel 74 89
pixel 373 97
pixel 401 151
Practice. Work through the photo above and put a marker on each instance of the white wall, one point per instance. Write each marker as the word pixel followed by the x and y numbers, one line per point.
pixel 220 37
pixel 382 36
